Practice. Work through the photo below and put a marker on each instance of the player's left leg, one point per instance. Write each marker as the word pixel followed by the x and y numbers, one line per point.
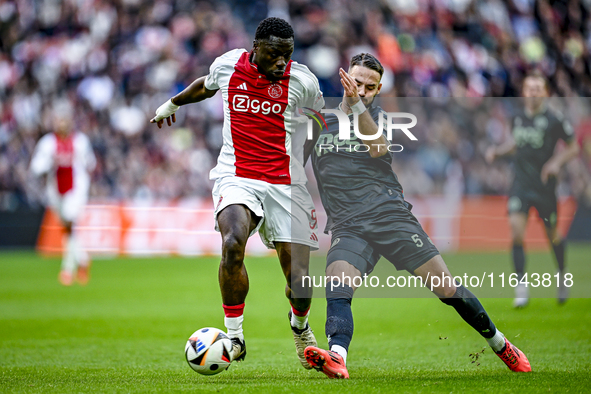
pixel 294 259
pixel 547 210
pixel 350 257
pixel 558 246
pixel 339 318
pixel 289 227
pixel 471 310
pixel 71 208
pixel 66 275
pixel 518 222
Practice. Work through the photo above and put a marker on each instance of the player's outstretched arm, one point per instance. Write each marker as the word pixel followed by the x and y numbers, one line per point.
pixel 43 157
pixel 367 126
pixel 552 166
pixel 495 152
pixel 193 93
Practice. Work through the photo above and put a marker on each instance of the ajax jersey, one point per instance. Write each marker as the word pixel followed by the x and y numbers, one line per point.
pixel 263 136
pixel 67 162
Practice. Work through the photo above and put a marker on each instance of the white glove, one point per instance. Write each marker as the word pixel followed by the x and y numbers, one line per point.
pixel 165 110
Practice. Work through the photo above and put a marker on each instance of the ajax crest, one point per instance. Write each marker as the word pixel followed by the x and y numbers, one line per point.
pixel 275 91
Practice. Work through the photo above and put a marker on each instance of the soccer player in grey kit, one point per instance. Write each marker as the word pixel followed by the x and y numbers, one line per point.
pixel 369 218
pixel 536 130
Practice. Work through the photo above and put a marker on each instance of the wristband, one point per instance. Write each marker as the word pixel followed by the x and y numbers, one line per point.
pixel 166 110
pixel 358 108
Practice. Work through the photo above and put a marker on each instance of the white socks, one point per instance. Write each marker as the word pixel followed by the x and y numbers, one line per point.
pixel 299 322
pixel 73 254
pixel 234 326
pixel 497 342
pixel 340 351
pixel 69 254
pixel 82 257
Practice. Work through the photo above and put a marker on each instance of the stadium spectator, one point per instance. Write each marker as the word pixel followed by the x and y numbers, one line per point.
pixel 133 54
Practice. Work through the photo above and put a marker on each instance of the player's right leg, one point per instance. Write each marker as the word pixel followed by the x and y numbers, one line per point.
pixel 290 228
pixel 294 259
pixel 471 310
pixel 236 222
pixel 518 222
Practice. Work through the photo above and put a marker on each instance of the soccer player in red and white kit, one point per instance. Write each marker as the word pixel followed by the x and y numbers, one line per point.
pixel 259 177
pixel 66 157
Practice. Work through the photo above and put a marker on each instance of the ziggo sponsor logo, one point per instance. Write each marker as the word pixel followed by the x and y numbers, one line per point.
pixel 243 103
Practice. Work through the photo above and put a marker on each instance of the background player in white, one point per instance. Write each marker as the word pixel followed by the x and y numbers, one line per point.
pixel 260 179
pixel 66 158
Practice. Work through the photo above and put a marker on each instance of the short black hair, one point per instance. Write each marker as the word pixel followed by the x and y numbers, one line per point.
pixel 367 60
pixel 273 27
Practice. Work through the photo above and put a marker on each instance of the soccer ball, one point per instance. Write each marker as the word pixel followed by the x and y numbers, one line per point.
pixel 208 351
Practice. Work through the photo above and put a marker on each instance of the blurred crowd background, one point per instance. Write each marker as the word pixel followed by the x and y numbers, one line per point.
pixel 116 61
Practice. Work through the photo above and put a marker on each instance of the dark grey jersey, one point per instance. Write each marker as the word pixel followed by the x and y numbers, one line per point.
pixel 536 137
pixel 351 182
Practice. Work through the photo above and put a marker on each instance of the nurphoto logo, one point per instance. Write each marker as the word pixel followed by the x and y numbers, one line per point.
pixel 343 138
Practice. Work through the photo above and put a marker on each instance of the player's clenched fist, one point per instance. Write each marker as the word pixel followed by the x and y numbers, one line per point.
pixel 165 111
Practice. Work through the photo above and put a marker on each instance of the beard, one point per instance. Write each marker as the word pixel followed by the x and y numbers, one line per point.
pixel 367 101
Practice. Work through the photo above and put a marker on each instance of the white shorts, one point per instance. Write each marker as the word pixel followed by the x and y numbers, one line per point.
pixel 68 206
pixel 286 211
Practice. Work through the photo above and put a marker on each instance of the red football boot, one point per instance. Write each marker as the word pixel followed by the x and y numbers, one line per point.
pixel 514 358
pixel 327 362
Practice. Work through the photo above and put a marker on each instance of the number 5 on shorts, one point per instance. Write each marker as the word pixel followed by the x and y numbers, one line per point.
pixel 417 240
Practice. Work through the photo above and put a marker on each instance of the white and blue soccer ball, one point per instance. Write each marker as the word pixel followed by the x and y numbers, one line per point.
pixel 208 351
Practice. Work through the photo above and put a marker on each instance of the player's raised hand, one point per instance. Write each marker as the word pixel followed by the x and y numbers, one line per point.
pixel 550 169
pixel 165 111
pixel 350 86
pixel 490 154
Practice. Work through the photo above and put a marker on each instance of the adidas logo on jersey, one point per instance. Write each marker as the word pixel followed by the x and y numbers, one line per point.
pixel 242 86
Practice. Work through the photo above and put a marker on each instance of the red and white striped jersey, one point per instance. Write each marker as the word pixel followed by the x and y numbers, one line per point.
pixel 67 161
pixel 263 137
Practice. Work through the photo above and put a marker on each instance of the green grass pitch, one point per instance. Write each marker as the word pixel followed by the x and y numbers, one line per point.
pixel 126 332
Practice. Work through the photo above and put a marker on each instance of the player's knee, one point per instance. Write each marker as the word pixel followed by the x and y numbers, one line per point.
pixel 452 297
pixel 299 287
pixel 297 271
pixel 459 293
pixel 68 227
pixel 517 239
pixel 233 249
pixel 343 270
pixel 443 286
pixel 445 292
